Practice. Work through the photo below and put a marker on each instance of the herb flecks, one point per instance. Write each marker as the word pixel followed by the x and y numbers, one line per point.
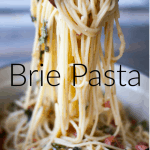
pixel 33 18
pixel 28 112
pixel 44 34
pixel 41 54
pixel 46 49
pixel 107 129
pixel 142 123
pixel 77 148
pixel 57 146
pixel 86 107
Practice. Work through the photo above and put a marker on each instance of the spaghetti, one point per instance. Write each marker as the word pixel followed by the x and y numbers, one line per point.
pixel 66 116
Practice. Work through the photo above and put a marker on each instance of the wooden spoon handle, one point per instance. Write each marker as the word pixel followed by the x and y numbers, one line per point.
pixel 52 2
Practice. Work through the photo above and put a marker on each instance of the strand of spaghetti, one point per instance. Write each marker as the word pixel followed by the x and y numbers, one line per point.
pixel 61 88
pixel 25 127
pixel 39 100
pixel 78 131
pixel 76 57
pixel 36 144
pixel 57 127
pixel 95 99
pixel 110 26
pixel 65 16
pixel 81 84
pixel 66 79
pixel 74 6
pixel 82 48
pixel 84 18
pixel 85 29
pixel 48 130
pixel 93 8
pixel 16 133
pixel 49 10
pixel 33 8
pixel 75 97
pixel 33 62
pixel 98 147
pixel 101 55
pixel 101 14
pixel 113 4
pixel 44 9
pixel 81 114
pixel 80 5
pixel 87 49
pixel 91 53
pixel 97 138
pixel 96 114
pixel 40 132
pixel 121 36
pixel 13 115
pixel 62 142
pixel 116 103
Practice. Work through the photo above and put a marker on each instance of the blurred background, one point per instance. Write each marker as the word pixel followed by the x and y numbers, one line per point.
pixel 17 33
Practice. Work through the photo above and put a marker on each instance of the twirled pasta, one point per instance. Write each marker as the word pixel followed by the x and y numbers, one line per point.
pixel 74 31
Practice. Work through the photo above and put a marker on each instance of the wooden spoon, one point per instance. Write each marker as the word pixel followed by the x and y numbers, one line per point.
pixel 52 2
